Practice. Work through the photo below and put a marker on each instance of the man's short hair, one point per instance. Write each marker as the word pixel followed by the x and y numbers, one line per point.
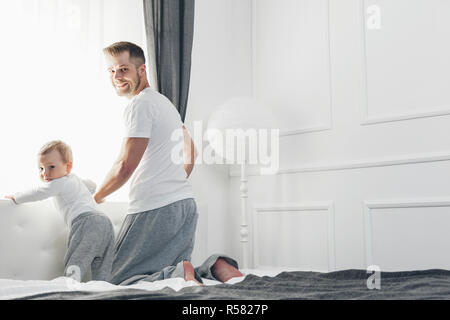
pixel 64 150
pixel 136 53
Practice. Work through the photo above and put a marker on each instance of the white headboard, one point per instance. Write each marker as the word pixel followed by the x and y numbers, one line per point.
pixel 33 238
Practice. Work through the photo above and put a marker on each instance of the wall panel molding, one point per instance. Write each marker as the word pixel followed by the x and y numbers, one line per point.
pixel 433 111
pixel 328 123
pixel 350 165
pixel 327 207
pixel 368 206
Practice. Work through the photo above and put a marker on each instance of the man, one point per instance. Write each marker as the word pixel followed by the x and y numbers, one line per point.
pixel 157 237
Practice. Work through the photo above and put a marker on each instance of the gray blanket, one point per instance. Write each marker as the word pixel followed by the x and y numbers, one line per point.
pixel 340 285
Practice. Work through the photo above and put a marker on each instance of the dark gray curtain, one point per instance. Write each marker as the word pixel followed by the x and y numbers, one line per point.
pixel 169 28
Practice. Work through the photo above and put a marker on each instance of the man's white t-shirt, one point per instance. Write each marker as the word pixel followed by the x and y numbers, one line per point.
pixel 157 181
pixel 72 196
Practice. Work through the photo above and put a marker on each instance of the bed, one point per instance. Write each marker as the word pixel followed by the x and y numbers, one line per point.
pixel 33 242
pixel 254 285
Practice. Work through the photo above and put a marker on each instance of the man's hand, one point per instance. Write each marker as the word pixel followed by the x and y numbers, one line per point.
pixel 190 152
pixel 98 199
pixel 130 155
pixel 11 197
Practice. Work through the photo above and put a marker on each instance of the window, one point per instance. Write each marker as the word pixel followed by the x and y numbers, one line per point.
pixel 54 84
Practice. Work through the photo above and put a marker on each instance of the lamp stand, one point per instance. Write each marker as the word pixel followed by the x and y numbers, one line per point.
pixel 244 226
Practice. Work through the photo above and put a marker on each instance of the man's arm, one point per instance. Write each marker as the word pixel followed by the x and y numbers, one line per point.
pixel 190 153
pixel 130 155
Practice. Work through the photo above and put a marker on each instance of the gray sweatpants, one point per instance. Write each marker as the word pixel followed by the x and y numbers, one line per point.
pixel 152 245
pixel 90 245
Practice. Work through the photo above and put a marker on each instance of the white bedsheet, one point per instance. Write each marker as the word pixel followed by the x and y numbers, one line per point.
pixel 12 289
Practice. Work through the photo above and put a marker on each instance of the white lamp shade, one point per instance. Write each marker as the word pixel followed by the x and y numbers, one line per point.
pixel 241 113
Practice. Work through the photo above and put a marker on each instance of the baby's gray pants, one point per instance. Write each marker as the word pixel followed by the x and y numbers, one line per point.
pixel 91 245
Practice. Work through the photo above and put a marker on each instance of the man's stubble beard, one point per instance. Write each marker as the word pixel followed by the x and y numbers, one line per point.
pixel 131 90
pixel 138 83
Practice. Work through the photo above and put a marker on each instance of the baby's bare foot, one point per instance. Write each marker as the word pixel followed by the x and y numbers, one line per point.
pixel 223 271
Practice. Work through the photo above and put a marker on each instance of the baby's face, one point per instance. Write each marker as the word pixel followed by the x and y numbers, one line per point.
pixel 52 166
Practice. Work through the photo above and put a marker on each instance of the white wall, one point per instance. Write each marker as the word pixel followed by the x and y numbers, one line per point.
pixel 220 70
pixel 366 127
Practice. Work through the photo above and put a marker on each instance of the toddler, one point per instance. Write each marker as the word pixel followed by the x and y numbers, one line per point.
pixel 91 237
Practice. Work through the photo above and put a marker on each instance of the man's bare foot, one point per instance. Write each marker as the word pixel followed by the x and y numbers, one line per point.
pixel 189 273
pixel 224 271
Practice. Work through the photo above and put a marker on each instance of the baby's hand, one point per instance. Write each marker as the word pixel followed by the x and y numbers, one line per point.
pixel 11 198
